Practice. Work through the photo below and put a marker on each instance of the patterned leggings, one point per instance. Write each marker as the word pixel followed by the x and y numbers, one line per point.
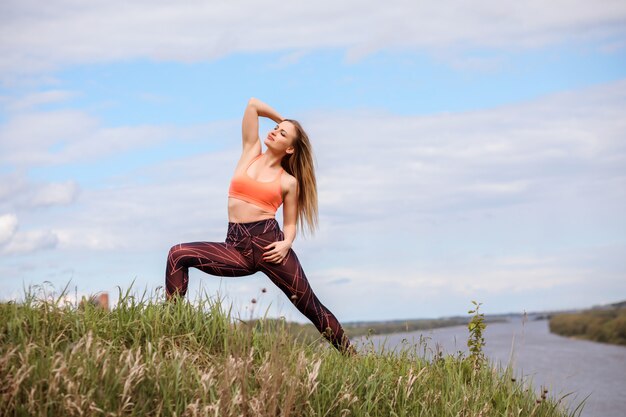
pixel 240 255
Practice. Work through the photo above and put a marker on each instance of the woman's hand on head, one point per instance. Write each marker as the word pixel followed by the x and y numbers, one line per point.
pixel 277 251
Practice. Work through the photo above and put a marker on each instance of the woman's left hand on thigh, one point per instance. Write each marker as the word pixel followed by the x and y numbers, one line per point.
pixel 278 251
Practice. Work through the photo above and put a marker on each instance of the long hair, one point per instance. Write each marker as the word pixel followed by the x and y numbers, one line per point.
pixel 300 165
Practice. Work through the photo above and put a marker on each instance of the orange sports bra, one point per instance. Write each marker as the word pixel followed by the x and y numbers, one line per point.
pixel 265 194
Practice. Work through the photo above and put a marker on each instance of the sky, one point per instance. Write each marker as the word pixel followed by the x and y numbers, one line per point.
pixel 464 150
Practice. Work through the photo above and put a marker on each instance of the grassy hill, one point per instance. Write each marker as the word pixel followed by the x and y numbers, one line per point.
pixel 147 357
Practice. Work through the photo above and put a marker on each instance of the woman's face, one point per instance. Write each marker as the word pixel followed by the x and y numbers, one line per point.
pixel 282 137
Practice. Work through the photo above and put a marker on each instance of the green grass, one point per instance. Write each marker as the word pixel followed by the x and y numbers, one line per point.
pixel 149 357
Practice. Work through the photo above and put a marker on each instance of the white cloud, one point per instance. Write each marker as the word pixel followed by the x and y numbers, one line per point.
pixel 10 186
pixel 496 188
pixel 52 194
pixel 12 241
pixel 487 275
pixel 31 241
pixel 38 138
pixel 529 152
pixel 36 38
pixel 55 137
pixel 19 193
pixel 8 226
pixel 36 99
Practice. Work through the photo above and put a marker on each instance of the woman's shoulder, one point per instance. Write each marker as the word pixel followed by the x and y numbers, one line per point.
pixel 288 181
pixel 285 176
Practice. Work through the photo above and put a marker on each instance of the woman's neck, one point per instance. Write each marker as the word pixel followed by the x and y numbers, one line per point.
pixel 272 160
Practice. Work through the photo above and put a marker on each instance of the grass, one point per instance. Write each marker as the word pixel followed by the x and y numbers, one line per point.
pixel 148 357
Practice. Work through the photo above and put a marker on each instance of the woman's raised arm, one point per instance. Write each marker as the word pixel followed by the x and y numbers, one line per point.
pixel 250 124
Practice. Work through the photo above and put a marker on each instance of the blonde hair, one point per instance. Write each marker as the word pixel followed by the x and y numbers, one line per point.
pixel 300 165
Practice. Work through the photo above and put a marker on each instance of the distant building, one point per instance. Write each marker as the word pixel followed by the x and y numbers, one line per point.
pixel 101 300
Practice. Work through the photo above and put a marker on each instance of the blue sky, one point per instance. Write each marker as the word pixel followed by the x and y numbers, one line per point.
pixel 472 153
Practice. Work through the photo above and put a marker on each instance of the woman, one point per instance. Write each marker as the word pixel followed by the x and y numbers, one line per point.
pixel 284 175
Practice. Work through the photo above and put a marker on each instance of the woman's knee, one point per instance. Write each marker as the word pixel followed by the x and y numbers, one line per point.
pixel 175 253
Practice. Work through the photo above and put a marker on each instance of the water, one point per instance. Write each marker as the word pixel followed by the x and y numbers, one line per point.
pixel 560 364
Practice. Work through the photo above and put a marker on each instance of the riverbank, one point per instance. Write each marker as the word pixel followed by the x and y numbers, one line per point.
pixel 149 358
pixel 607 325
pixel 308 332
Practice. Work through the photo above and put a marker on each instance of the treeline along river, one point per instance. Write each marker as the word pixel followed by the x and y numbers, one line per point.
pixel 560 364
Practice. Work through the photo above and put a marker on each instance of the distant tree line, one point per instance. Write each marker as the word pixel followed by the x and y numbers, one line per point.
pixel 600 325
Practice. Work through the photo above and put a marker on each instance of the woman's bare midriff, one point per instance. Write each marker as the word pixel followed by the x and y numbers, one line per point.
pixel 240 211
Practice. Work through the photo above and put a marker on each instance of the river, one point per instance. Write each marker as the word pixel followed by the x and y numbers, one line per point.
pixel 560 364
